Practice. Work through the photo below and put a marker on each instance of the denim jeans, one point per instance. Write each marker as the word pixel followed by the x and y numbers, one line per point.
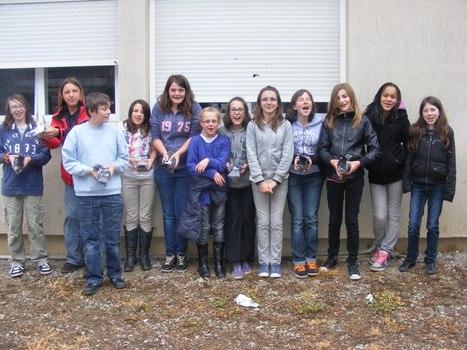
pixel 386 201
pixel 73 244
pixel 349 191
pixel 421 194
pixel 303 198
pixel 90 210
pixel 212 221
pixel 173 191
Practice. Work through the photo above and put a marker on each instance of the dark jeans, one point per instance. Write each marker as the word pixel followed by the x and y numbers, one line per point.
pixel 240 225
pixel 212 221
pixel 421 194
pixel 90 211
pixel 173 191
pixel 349 191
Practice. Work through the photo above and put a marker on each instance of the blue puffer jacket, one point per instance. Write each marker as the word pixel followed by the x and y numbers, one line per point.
pixel 30 181
pixel 190 222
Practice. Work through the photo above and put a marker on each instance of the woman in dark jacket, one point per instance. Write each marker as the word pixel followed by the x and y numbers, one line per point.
pixel 347 144
pixel 391 125
pixel 430 175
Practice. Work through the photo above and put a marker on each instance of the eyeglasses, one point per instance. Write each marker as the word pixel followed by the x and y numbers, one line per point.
pixel 235 110
pixel 269 99
pixel 16 107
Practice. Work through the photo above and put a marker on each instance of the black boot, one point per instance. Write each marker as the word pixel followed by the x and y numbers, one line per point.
pixel 219 266
pixel 131 241
pixel 203 268
pixel 144 245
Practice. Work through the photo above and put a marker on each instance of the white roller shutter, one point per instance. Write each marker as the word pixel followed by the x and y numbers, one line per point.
pixel 58 33
pixel 229 48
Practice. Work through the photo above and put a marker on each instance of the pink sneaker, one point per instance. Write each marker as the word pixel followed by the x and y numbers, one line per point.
pixel 382 260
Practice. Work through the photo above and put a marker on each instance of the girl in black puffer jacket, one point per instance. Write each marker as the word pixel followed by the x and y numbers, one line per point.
pixel 391 125
pixel 430 175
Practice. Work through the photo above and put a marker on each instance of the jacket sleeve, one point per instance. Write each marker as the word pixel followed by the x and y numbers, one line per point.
pixel 42 156
pixel 56 141
pixel 371 142
pixel 251 152
pixel 154 122
pixel 325 145
pixel 406 174
pixel 450 187
pixel 219 164
pixel 282 169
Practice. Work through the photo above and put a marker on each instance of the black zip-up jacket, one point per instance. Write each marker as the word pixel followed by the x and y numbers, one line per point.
pixel 432 163
pixel 392 133
pixel 358 143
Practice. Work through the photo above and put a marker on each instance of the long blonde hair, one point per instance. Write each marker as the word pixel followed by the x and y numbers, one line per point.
pixel 333 108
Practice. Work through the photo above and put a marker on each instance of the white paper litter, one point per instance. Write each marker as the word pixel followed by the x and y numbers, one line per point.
pixel 369 298
pixel 245 301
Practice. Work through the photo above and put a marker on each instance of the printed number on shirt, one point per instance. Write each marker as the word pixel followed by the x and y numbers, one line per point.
pixel 181 126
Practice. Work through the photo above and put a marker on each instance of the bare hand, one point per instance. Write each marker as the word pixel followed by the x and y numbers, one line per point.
pixel 201 166
pixel 218 179
pixel 354 165
pixel 50 133
pixel 244 169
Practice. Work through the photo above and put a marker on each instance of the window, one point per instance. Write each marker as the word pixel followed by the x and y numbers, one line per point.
pixel 32 83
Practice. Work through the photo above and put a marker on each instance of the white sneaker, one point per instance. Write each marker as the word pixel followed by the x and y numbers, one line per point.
pixel 16 271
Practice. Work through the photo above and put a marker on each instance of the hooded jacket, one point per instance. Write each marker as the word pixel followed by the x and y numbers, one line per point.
pixel 392 133
pixel 62 121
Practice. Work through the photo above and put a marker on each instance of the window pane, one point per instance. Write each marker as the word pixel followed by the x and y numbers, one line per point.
pixel 93 79
pixel 16 81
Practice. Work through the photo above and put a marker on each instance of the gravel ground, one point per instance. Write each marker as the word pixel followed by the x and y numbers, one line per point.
pixel 182 311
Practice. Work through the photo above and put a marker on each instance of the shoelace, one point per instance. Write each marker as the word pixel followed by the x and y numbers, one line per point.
pixel 181 260
pixel 169 260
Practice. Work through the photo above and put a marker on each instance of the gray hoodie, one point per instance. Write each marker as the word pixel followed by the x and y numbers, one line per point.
pixel 269 153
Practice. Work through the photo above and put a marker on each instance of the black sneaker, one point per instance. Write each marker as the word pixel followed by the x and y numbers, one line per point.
pixel 182 265
pixel 91 288
pixel 354 273
pixel 329 264
pixel 406 265
pixel 69 268
pixel 430 268
pixel 118 283
pixel 169 263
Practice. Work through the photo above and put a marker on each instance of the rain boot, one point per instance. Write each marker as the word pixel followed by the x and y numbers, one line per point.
pixel 219 266
pixel 131 242
pixel 203 268
pixel 144 245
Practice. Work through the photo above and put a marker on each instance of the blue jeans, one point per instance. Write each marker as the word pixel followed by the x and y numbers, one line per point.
pixel 303 198
pixel 90 211
pixel 173 191
pixel 421 194
pixel 73 244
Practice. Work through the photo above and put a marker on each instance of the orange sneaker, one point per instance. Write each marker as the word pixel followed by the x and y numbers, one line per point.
pixel 300 271
pixel 312 268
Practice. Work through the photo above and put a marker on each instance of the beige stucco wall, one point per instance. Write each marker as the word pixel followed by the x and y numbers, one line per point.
pixel 419 45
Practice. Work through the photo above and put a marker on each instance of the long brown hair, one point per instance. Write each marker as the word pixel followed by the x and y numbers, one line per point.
pixel 9 120
pixel 418 128
pixel 61 102
pixel 130 125
pixel 186 107
pixel 333 108
pixel 277 118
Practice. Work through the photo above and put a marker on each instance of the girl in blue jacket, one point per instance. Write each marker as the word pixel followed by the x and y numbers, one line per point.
pixel 23 157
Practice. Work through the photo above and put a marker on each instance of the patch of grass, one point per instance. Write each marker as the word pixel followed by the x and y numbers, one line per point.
pixel 310 307
pixel 221 302
pixel 386 302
